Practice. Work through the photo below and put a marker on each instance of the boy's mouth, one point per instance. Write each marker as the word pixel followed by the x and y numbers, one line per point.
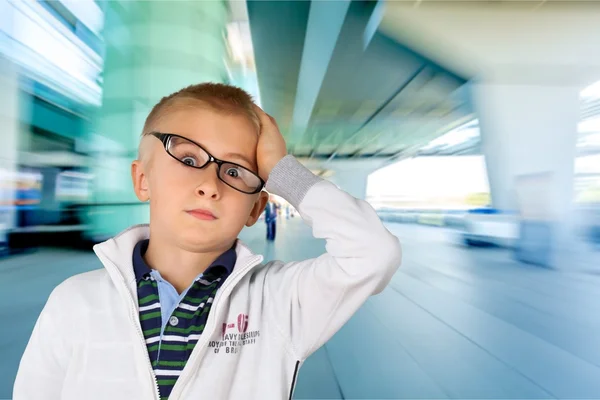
pixel 202 214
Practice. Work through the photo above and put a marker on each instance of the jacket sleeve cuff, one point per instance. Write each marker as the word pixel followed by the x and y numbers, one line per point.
pixel 291 180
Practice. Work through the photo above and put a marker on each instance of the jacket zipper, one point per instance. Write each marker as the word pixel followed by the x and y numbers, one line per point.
pixel 138 329
pixel 143 341
pixel 196 353
pixel 294 379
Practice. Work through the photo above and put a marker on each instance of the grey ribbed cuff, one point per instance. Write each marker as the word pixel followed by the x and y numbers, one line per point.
pixel 291 180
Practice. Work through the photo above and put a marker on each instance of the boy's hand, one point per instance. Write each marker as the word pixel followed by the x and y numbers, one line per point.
pixel 271 144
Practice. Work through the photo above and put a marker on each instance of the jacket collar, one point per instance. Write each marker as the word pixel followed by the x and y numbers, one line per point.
pixel 119 250
pixel 222 266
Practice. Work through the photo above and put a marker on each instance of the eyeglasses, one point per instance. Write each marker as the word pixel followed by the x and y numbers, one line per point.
pixel 191 154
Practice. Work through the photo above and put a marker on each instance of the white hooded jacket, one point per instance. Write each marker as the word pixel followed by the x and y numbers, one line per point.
pixel 266 319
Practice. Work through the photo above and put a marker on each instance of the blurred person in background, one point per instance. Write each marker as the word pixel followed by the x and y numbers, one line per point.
pixel 271 219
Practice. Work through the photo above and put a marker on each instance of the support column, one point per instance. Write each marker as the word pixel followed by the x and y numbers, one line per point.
pixel 529 135
pixel 153 48
pixel 352 176
pixel 353 182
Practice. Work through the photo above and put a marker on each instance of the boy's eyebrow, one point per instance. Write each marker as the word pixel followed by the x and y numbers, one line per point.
pixel 238 156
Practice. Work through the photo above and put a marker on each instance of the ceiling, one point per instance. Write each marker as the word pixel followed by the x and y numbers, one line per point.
pixel 365 96
pixel 545 42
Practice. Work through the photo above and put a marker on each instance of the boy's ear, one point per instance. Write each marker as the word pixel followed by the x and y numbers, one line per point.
pixel 258 208
pixel 140 181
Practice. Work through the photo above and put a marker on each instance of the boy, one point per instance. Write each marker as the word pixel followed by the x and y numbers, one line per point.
pixel 184 310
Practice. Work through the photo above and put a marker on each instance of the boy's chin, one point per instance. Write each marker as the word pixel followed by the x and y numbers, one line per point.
pixel 204 242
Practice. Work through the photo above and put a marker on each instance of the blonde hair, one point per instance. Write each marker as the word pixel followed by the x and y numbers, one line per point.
pixel 220 97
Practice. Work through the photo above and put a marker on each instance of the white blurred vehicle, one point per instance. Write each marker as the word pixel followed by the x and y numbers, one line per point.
pixel 489 227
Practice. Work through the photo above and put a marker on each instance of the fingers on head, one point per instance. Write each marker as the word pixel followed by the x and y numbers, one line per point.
pixel 265 119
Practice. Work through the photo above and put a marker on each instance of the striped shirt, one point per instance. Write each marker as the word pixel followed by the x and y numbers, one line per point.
pixel 172 323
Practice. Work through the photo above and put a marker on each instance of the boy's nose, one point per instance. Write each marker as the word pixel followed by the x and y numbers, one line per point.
pixel 208 189
pixel 209 186
pixel 208 193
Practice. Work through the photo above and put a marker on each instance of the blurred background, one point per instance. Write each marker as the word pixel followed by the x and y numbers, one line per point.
pixel 473 128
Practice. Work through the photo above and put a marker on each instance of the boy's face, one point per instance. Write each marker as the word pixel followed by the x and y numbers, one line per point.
pixel 177 191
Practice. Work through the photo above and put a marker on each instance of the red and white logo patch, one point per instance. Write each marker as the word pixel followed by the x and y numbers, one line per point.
pixel 242 323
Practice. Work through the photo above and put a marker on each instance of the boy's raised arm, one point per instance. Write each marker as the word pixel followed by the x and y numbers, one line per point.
pixel 312 299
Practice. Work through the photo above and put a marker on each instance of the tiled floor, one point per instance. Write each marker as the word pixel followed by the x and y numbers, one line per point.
pixel 454 323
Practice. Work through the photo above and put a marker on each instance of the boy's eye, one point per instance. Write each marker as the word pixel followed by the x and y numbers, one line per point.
pixel 232 172
pixel 188 160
